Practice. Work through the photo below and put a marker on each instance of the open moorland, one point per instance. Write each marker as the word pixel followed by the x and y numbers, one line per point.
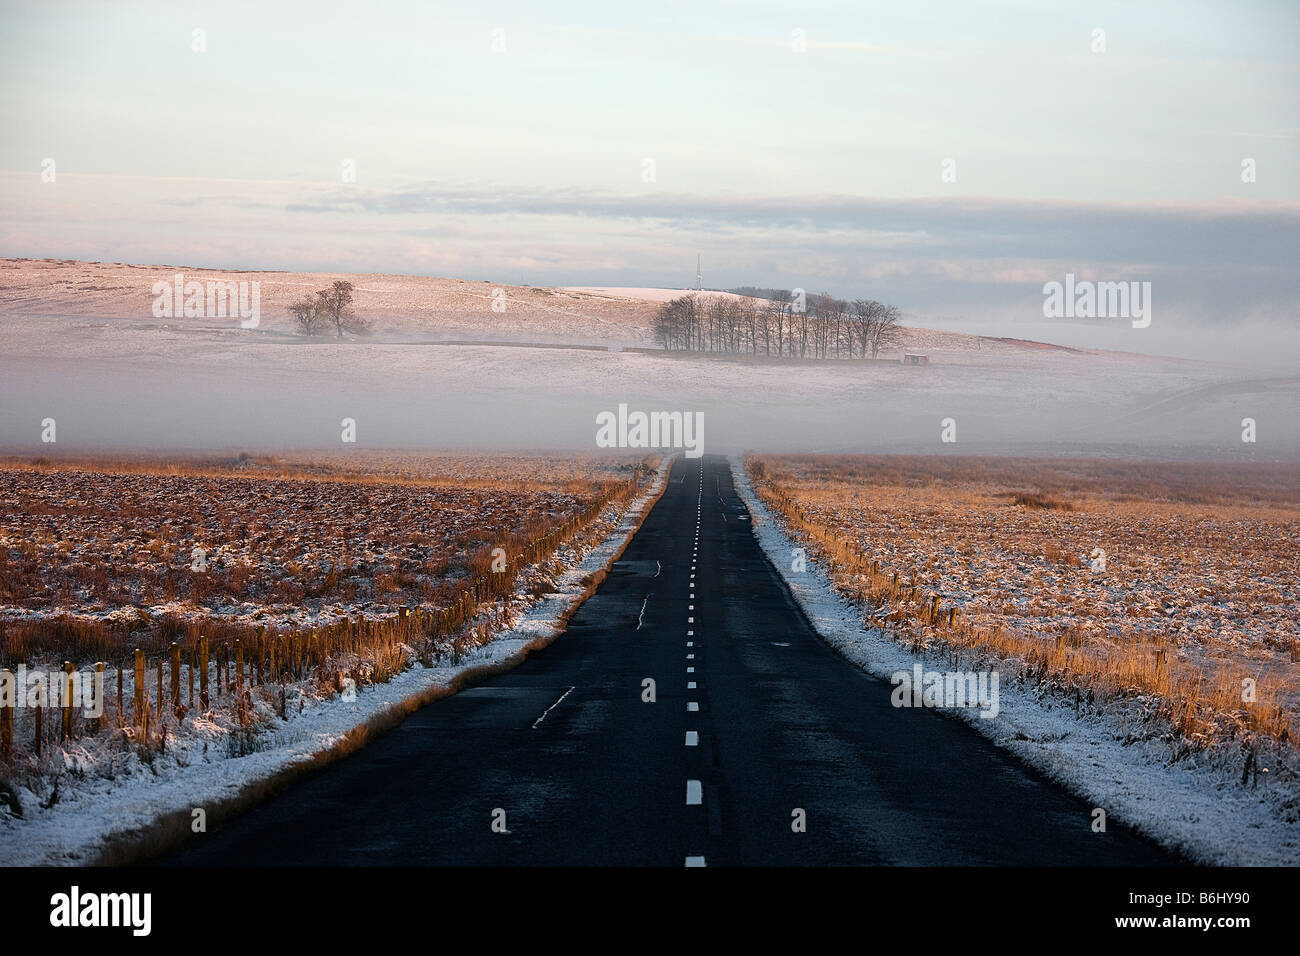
pixel 1173 587
pixel 124 550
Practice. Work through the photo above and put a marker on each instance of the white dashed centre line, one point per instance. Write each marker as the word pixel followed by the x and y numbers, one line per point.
pixel 695 861
pixel 551 708
pixel 690 685
pixel 690 657
pixel 690 670
pixel 693 706
pixel 694 793
pixel 692 738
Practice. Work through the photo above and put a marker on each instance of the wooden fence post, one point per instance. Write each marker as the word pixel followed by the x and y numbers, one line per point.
pixel 176 680
pixel 160 686
pixel 40 699
pixel 99 690
pixel 65 691
pixel 137 712
pixel 203 673
pixel 8 699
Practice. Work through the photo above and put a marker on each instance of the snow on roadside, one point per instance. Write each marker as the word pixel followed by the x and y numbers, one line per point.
pixel 91 810
pixel 1194 806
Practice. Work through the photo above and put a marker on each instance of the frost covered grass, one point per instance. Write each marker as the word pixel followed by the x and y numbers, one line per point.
pixel 96 559
pixel 1234 803
pixel 1173 584
pixel 126 787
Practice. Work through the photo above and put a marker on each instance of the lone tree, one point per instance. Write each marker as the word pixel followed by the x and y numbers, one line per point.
pixel 335 304
pixel 331 307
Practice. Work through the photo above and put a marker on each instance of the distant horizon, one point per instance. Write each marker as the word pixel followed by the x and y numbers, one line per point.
pixel 1269 343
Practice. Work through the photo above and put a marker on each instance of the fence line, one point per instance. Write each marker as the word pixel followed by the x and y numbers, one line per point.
pixel 268 657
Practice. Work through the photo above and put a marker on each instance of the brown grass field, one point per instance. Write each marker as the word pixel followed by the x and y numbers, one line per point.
pixel 97 556
pixel 1196 598
pixel 324 574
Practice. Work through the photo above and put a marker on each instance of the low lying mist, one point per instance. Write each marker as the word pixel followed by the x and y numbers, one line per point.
pixel 249 394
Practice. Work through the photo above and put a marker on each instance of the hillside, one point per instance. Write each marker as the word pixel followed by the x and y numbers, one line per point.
pixel 416 306
pixel 398 307
pixel 79 344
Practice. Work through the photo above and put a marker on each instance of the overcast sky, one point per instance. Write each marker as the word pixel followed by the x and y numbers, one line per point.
pixel 798 144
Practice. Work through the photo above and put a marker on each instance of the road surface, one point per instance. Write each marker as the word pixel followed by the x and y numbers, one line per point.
pixel 754 719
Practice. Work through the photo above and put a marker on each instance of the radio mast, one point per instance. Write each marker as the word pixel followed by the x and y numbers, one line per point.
pixel 699 276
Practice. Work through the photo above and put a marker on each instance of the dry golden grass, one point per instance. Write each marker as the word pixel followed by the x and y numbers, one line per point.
pixel 238 673
pixel 86 547
pixel 1198 592
pixel 529 472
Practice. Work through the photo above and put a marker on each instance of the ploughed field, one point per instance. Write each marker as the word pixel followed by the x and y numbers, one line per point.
pixel 99 553
pixel 161 616
pixel 1170 587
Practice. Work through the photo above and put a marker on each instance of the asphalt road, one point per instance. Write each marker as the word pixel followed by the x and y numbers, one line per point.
pixel 754 718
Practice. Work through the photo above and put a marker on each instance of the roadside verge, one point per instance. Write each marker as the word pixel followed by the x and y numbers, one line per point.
pixel 1193 806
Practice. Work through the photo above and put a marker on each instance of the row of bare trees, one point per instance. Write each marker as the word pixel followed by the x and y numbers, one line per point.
pixel 786 325
pixel 328 309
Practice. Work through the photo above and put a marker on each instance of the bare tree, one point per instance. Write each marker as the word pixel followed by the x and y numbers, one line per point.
pixel 826 327
pixel 807 306
pixel 666 322
pixel 678 323
pixel 780 310
pixel 751 315
pixel 335 303
pixel 864 322
pixel 763 315
pixel 828 313
pixel 885 333
pixel 307 316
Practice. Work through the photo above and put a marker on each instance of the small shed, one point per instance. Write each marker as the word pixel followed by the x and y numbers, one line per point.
pixel 915 358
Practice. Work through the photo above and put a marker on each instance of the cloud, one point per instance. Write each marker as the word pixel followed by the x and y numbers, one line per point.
pixel 1202 234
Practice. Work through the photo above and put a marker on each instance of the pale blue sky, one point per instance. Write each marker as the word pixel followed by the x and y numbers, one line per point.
pixel 781 167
